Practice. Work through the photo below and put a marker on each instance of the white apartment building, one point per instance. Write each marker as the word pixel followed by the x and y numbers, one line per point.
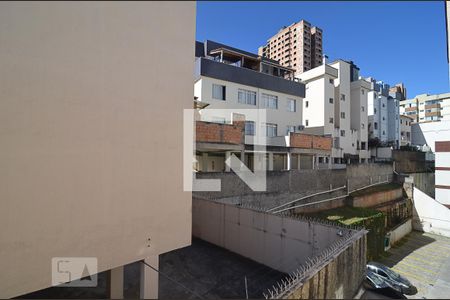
pixel 436 135
pixel 231 81
pixel 383 114
pixel 335 104
pixel 427 108
pixel 405 130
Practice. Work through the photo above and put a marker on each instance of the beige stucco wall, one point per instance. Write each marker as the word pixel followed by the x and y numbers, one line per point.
pixel 91 103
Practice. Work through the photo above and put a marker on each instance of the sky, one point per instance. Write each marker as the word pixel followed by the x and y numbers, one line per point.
pixel 390 41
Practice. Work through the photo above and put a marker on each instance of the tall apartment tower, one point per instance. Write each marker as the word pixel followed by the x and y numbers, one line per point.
pixel 298 46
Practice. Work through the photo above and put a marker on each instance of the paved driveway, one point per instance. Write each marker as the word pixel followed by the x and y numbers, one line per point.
pixel 425 260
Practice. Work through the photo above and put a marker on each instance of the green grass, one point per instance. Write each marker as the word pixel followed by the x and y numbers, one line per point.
pixel 377 188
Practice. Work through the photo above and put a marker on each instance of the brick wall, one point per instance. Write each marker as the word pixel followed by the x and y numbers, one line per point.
pixel 220 133
pixel 307 141
pixel 320 142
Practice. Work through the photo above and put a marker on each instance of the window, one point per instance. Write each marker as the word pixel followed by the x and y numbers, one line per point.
pixel 383 104
pixel 384 132
pixel 290 129
pixel 331 120
pixel 306 122
pixel 342 97
pixel 271 129
pixel 375 125
pixel 249 128
pixel 270 101
pixel 342 115
pixel 362 92
pixel 331 100
pixel 362 108
pixel 362 125
pixel 342 132
pixel 383 118
pixel 291 105
pixel 246 97
pixel 374 110
pixel 218 91
pixel 307 103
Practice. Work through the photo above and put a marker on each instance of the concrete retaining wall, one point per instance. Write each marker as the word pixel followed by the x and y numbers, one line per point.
pixel 429 215
pixel 425 182
pixel 399 232
pixel 377 198
pixel 301 181
pixel 281 243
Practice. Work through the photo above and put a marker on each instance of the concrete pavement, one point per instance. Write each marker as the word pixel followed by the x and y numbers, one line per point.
pixel 425 260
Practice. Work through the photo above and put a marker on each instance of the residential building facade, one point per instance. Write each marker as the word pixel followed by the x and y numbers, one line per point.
pixel 298 46
pixel 427 108
pixel 92 139
pixel 232 82
pixel 383 114
pixel 335 105
pixel 405 130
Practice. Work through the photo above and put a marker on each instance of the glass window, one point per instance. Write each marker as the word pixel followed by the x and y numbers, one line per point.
pixel 270 101
pixel 271 129
pixel 306 122
pixel 291 105
pixel 342 97
pixel 246 97
pixel 331 100
pixel 342 132
pixel 290 129
pixel 249 128
pixel 218 91
pixel 307 104
pixel 331 81
pixel 362 92
pixel 362 108
pixel 362 125
pixel 331 120
pixel 375 125
pixel 342 115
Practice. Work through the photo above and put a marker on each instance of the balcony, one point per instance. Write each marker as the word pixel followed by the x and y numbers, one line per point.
pixel 241 75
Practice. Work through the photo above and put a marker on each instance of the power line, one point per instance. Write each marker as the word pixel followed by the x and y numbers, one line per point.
pixel 173 280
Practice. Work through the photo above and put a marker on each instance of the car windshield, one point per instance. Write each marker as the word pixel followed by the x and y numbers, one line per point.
pixel 376 279
pixel 391 273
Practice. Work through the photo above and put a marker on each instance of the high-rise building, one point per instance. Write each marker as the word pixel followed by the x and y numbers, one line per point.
pixel 335 105
pixel 298 46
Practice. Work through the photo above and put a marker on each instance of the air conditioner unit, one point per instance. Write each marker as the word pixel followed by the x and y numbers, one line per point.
pixel 300 127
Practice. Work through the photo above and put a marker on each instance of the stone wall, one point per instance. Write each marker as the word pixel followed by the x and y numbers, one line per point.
pixel 339 278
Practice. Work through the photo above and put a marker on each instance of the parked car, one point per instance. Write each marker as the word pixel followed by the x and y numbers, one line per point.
pixel 378 276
